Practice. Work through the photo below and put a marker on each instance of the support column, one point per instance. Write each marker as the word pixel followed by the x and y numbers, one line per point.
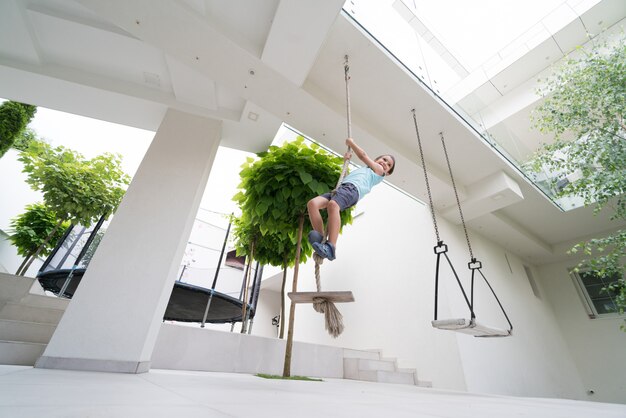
pixel 114 319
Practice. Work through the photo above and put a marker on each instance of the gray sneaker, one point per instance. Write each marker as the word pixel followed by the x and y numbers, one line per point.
pixel 324 250
pixel 315 236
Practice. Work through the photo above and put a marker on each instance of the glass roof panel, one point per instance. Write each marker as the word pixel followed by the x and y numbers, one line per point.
pixel 483 58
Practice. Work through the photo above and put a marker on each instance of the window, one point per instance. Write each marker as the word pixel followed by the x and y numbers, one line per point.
pixel 599 303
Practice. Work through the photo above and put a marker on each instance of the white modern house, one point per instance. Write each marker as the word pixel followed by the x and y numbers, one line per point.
pixel 203 74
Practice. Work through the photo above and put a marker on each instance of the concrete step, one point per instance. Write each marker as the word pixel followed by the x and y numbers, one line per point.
pixel 424 384
pixel 44 301
pixel 32 332
pixel 365 354
pixel 354 367
pixel 20 353
pixel 383 376
pixel 28 313
pixel 13 288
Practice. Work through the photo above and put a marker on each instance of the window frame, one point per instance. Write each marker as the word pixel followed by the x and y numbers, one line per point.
pixel 586 298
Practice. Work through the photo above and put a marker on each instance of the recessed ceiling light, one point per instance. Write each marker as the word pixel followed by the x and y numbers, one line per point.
pixel 253 116
pixel 152 79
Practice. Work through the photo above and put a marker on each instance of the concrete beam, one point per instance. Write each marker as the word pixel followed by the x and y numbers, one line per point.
pixel 485 196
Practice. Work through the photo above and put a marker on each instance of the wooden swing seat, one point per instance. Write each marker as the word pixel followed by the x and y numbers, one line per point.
pixel 307 297
pixel 470 327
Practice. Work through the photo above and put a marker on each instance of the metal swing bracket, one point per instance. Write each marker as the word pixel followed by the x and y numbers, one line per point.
pixel 474 264
pixel 440 248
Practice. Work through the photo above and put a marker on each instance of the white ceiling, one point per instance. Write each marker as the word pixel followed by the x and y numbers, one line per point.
pixel 128 61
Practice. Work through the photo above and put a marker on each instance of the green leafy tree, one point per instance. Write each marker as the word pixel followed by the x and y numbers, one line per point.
pixel 276 188
pixel 30 229
pixel 24 139
pixel 274 192
pixel 78 190
pixel 271 249
pixel 14 117
pixel 585 110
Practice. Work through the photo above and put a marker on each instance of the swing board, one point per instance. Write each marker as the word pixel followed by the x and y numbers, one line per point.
pixel 307 297
pixel 469 327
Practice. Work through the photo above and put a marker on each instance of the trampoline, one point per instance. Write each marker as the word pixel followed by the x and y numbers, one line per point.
pixel 64 268
pixel 54 280
pixel 188 303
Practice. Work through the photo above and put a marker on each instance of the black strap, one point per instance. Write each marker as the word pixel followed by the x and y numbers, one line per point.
pixel 440 249
pixel 492 292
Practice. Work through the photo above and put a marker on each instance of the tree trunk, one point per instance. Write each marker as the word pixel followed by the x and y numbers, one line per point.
pixel 31 257
pixel 28 256
pixel 245 291
pixel 282 302
pixel 292 308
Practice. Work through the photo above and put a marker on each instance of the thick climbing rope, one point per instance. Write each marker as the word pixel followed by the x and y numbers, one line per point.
pixel 333 318
pixel 346 161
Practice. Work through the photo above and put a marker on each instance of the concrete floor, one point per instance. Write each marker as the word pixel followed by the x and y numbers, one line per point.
pixel 28 392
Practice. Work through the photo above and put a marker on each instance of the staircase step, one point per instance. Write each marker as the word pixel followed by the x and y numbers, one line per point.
pixel 367 364
pixel 43 301
pixel 20 353
pixel 14 287
pixel 27 313
pixel 365 354
pixel 382 376
pixel 32 332
pixel 353 367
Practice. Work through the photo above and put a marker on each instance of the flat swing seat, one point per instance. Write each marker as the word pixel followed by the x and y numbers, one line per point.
pixel 307 297
pixel 470 327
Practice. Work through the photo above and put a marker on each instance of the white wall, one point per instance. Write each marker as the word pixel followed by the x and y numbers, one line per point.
pixel 386 258
pixel 535 361
pixel 10 260
pixel 15 196
pixel 15 193
pixel 184 348
pixel 267 308
pixel 597 345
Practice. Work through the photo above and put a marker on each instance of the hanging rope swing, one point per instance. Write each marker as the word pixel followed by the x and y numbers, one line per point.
pixel 458 324
pixel 324 302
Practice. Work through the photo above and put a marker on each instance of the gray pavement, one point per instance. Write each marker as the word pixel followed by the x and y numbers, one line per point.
pixel 29 392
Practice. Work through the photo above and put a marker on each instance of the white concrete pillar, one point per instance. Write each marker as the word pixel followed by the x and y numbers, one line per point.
pixel 114 319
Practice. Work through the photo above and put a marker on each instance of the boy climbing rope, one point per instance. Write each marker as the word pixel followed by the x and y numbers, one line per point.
pixel 353 187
